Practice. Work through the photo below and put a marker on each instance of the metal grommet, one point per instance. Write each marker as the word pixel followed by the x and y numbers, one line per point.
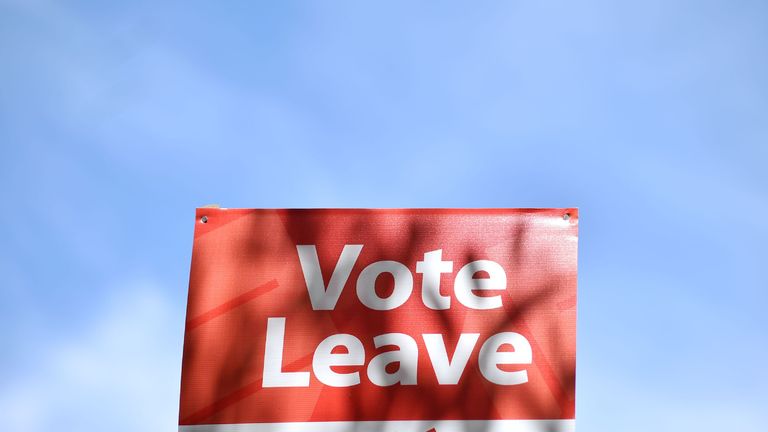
pixel 204 219
pixel 567 216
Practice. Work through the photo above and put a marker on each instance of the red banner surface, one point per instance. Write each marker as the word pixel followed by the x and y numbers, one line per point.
pixel 381 320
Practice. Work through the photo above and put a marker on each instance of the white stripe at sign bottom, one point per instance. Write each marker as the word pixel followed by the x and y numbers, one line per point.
pixel 395 426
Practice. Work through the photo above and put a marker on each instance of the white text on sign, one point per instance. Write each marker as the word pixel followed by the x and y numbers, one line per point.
pixel 448 370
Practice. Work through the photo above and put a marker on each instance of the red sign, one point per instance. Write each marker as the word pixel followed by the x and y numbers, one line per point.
pixel 381 320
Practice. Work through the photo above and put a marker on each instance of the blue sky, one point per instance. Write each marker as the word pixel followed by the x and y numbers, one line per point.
pixel 117 119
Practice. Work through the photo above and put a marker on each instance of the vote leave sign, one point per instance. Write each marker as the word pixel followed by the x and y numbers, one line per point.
pixel 401 320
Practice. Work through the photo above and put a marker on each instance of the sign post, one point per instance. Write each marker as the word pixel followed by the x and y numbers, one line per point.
pixel 401 320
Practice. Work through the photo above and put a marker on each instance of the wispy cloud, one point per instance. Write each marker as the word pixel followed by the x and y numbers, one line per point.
pixel 121 373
